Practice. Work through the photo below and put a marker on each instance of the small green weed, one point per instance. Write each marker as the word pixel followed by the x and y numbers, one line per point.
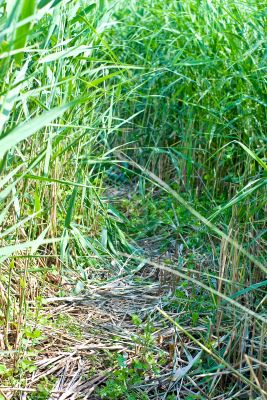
pixel 124 381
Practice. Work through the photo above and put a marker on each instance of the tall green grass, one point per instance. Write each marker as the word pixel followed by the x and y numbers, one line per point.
pixel 203 130
pixel 56 105
pixel 179 87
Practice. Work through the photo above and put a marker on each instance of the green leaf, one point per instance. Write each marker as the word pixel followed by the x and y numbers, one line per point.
pixel 11 97
pixel 33 334
pixel 68 52
pixel 43 3
pixel 84 12
pixel 248 289
pixel 3 369
pixel 101 6
pixel 27 9
pixel 28 128
pixel 7 251
pixel 121 361
pixel 71 207
pixel 136 320
pixel 56 2
pixel 195 317
pixel 104 237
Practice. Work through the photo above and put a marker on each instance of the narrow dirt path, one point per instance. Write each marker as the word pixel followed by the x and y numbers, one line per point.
pixel 113 325
pixel 104 318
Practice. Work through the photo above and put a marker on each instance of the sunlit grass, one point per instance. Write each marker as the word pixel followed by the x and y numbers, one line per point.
pixel 170 94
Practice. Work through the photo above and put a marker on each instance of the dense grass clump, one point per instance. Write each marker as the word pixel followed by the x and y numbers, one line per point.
pixel 133 135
